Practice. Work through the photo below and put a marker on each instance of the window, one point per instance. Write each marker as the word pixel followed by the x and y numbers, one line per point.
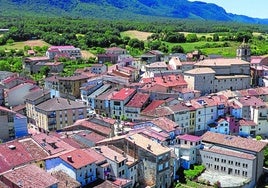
pixel 160 167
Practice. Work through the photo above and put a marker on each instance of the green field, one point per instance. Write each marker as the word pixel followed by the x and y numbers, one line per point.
pixel 20 45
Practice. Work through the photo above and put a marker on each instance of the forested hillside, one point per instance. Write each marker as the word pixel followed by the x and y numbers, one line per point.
pixel 122 9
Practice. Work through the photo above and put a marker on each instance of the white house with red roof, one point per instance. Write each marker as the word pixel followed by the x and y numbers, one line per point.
pixel 221 125
pixel 63 51
pixel 247 127
pixel 119 100
pixel 78 164
pixel 206 113
pixel 185 148
pixel 134 107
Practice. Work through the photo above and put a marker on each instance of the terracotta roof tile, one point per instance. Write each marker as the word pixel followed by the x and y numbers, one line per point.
pixel 232 153
pixel 233 141
pixel 123 94
pixel 30 176
pixel 190 138
pixel 78 158
pixel 138 100
pixel 148 144
pixel 165 124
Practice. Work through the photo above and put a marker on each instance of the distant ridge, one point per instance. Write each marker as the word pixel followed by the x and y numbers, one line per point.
pixel 123 9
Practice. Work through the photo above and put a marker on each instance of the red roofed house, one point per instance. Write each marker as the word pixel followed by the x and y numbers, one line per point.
pixel 119 100
pixel 63 51
pixel 78 164
pixel 221 125
pixel 238 159
pixel 29 176
pixel 247 128
pixel 134 107
pixel 185 149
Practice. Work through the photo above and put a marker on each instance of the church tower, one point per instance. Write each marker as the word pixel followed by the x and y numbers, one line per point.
pixel 243 51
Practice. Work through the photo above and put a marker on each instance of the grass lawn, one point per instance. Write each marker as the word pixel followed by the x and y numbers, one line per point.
pixel 224 51
pixel 192 184
pixel 198 34
pixel 20 45
pixel 136 34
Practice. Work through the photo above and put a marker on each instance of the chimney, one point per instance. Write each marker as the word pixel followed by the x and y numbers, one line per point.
pixel 69 158
pixel 115 158
pixel 149 147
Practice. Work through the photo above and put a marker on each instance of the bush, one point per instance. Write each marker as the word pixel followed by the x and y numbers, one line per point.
pixel 258 137
pixel 193 173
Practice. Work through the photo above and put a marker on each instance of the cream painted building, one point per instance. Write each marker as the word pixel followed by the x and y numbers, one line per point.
pixel 57 113
pixel 201 79
pixel 240 159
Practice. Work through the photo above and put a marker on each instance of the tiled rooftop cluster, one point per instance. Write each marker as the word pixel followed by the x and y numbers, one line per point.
pixel 104 126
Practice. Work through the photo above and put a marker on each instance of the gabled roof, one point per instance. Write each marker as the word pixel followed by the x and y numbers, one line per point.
pixel 73 78
pixel 233 141
pixel 78 158
pixel 30 176
pixel 13 154
pixel 153 105
pixel 59 103
pixel 138 100
pixel 221 62
pixel 244 122
pixel 147 144
pixel 190 138
pixel 36 94
pixel 165 124
pixel 204 70
pixel 123 94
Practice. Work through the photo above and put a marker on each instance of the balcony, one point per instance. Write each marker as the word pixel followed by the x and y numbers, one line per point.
pixel 54 122
pixel 117 108
pixel 52 115
pixel 131 112
pixel 263 118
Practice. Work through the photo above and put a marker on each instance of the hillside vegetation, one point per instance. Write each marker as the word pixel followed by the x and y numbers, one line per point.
pixel 168 36
pixel 122 10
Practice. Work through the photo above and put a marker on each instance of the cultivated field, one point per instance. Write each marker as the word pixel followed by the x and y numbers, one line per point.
pixel 20 45
pixel 136 34
pixel 87 54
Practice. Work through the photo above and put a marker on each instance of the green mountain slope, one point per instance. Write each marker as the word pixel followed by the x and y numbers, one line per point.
pixel 122 9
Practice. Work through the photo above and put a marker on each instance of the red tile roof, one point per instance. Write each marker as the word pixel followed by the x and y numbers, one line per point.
pixel 98 157
pixel 222 151
pixel 79 158
pixel 138 100
pixel 92 136
pixel 109 153
pixel 166 81
pixel 123 94
pixel 190 138
pixel 153 105
pixel 73 78
pixel 100 129
pixel 233 141
pixel 30 176
pixel 244 122
pixel 52 144
pixel 165 124
pixel 252 101
pixel 13 154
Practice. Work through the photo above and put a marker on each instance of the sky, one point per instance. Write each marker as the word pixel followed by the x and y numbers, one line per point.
pixel 251 8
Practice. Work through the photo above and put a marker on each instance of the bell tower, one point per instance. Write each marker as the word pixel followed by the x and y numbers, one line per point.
pixel 243 51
